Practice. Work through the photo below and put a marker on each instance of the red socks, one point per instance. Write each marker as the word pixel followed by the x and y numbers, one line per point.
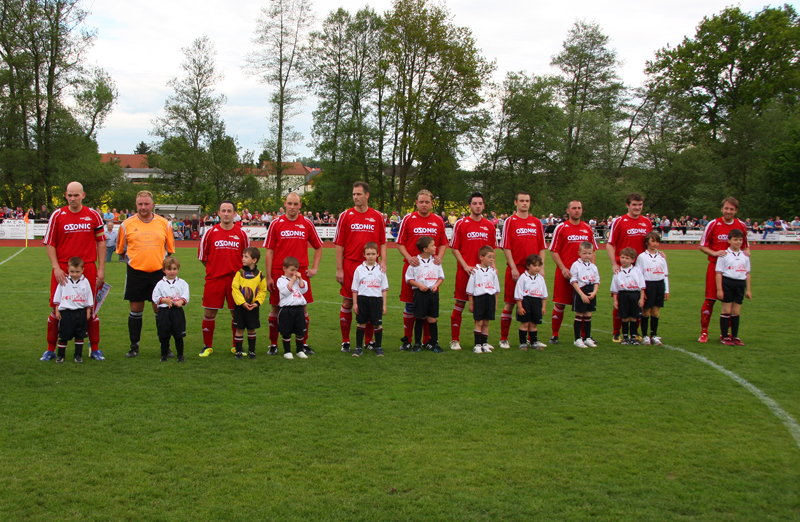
pixel 455 323
pixel 94 333
pixel 505 325
pixel 617 321
pixel 345 321
pixel 208 332
pixel 558 317
pixel 52 332
pixel 705 314
pixel 273 329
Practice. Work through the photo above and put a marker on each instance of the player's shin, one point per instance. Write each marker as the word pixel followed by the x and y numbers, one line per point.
pixel 94 333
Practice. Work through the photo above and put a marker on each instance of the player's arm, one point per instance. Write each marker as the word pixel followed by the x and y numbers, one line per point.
pixel 713 253
pixel 382 261
pixel 238 298
pixel 385 294
pixel 411 260
pixel 611 250
pixel 439 257
pixel 471 303
pixel 355 301
pixel 511 264
pixel 311 272
pixel 541 255
pixel 560 264
pixel 520 308
pixel 61 278
pixel 595 288
pixel 269 254
pixel 747 293
pixel 641 298
pixel 339 264
pixel 435 287
pixel 720 293
pixel 461 263
pixel 100 238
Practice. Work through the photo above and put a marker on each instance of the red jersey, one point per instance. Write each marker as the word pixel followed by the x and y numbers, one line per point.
pixel 470 235
pixel 222 250
pixel 628 232
pixel 414 226
pixel 291 238
pixel 355 229
pixel 715 235
pixel 566 239
pixel 74 234
pixel 523 236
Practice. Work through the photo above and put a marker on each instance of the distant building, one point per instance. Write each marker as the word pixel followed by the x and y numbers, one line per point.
pixel 294 177
pixel 134 166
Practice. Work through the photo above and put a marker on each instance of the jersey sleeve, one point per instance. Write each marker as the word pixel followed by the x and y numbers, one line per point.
pixel 555 243
pixel 356 279
pixel 471 284
pixel 614 285
pixel 441 237
pixel 185 292
pixel 455 239
pixel 384 282
pixel 519 289
pixel 505 236
pixel 238 298
pixel 51 232
pixel 613 232
pixel 170 243
pixel 720 264
pixel 707 233
pixel 339 236
pixel 313 237
pixel 573 278
pixel 410 273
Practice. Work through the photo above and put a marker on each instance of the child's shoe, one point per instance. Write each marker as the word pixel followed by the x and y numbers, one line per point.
pixel 251 355
pixel 273 349
pixel 590 342
pixel 78 359
pixel 646 341
pixel 378 351
pixel 238 355
pixel 437 349
pixel 164 358
pixel 737 342
pixel 504 343
pixel 181 358
pixel 301 354
pixel 579 343
pixel 655 340
pixel 478 348
pixel 417 348
pixel 487 348
pixel 357 352
pixel 523 346
pixel 60 359
pixel 288 355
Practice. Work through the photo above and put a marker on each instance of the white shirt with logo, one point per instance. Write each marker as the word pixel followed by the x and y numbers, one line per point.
pixel 427 273
pixel 654 268
pixel 74 295
pixel 584 274
pixel 369 281
pixel 628 280
pixel 483 281
pixel 530 286
pixel 734 265
pixel 291 296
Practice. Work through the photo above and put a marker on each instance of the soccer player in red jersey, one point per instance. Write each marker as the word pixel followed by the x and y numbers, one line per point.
pixel 523 235
pixel 714 244
pixel 356 227
pixel 469 235
pixel 289 235
pixel 220 251
pixel 564 249
pixel 627 231
pixel 75 231
pixel 414 226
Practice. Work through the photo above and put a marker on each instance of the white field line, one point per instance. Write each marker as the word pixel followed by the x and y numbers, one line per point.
pixel 12 257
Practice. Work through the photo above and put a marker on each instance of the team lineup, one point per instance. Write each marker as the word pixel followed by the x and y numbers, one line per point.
pixel 76 243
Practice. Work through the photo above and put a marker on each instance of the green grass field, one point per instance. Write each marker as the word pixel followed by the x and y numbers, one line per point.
pixel 612 433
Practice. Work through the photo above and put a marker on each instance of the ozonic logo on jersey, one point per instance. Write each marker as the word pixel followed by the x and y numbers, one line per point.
pixel 722 238
pixel 361 226
pixel 226 244
pixel 75 227
pixel 477 235
pixel 577 237
pixel 423 230
pixel 637 231
pixel 527 231
pixel 293 233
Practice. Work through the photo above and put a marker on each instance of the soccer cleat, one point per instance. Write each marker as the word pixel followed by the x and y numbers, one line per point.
pixel 251 355
pixel 301 354
pixel 134 351
pixel 358 351
pixel 703 338
pixel 616 338
pixel 737 342
pixel 633 341
pixel 727 341
pixel 486 348
pixel 238 355
pixel 590 342
pixel 478 348
pixel 417 348
pixel 78 359
pixel 378 351
pixel 47 356
pixel 655 340
pixel 59 359
pixel 504 343
pixel 539 345
pixel 233 350
pixel 207 350
pixel 406 345
pixel 371 345
pixel 164 358
pixel 346 347
pixel 490 346
pixel 288 355
pixel 638 338
pixel 579 343
pixel 273 350
pixel 170 354
pixel 181 358
pixel 455 345
pixel 308 351
pixel 646 341
pixel 523 347
pixel 97 355
pixel 624 341
pixel 437 349
pixel 428 347
pixel 553 340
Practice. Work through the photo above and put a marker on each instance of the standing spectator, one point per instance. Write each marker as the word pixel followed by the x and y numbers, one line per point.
pixel 451 219
pixel 665 226
pixel 111 241
pixel 43 214
pixel 108 216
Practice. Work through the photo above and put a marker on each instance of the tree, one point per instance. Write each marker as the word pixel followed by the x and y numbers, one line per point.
pixel 278 61
pixel 142 148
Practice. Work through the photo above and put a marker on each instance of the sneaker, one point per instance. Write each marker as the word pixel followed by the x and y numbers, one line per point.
pixel 523 347
pixel 437 349
pixel 59 360
pixel 590 342
pixel 358 351
pixel 97 355
pixel 406 346
pixel 78 359
pixel 346 347
pixel 417 348
pixel 579 343
pixel 164 358
pixel 727 341
pixel 273 349
pixel 539 345
pixel 478 348
pixel 134 351
pixel 553 340
pixel 378 351
pixel 703 338
pixel 302 354
pixel 181 358
pixel 170 354
pixel 504 343
pixel 47 356
pixel 646 341
pixel 655 341
pixel 251 355
pixel 737 342
pixel 455 345
pixel 486 348
pixel 238 355
pixel 288 355
pixel 207 351
pixel 308 351
pixel 617 338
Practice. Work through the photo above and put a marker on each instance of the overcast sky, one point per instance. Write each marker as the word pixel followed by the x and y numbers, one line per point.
pixel 139 44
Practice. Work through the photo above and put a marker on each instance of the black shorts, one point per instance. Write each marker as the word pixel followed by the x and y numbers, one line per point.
pixel 629 304
pixel 291 321
pixel 484 306
pixel 733 290
pixel 244 319
pixel 654 294
pixel 171 322
pixel 139 285
pixel 578 306
pixel 370 310
pixel 426 304
pixel 73 325
pixel 533 310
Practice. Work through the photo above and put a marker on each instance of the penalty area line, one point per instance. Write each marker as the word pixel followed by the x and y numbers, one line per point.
pixel 12 257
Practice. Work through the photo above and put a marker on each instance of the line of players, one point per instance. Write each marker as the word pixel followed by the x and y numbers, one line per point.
pixel 77 230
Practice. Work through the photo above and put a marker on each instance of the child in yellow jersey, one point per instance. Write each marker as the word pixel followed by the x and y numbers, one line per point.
pixel 249 292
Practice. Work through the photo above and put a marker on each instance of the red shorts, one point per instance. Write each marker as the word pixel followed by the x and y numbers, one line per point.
pixel 711 281
pixel 275 297
pixel 406 290
pixel 349 269
pixel 510 285
pixel 218 290
pixel 89 272
pixel 462 278
pixel 562 290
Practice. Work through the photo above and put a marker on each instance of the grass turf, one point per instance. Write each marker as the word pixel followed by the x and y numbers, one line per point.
pixel 611 433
